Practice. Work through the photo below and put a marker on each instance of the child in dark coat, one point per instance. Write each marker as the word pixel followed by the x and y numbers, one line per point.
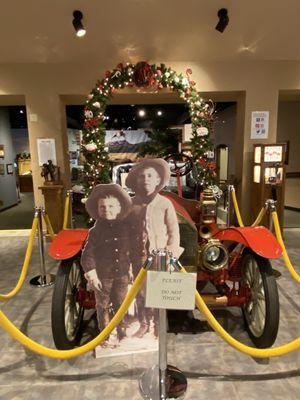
pixel 105 257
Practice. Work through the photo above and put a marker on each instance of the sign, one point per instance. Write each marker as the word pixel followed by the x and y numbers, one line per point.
pixel 260 124
pixel 171 290
pixel 273 154
pixel 46 151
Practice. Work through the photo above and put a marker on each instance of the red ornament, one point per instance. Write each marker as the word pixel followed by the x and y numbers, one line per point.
pixel 143 75
pixel 120 66
pixel 211 166
pixel 202 162
pixel 89 123
pixel 107 74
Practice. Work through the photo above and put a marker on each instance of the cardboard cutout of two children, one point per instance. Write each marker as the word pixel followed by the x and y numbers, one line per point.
pixel 124 234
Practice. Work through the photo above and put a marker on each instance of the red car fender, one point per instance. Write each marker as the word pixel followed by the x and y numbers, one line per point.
pixel 67 243
pixel 257 238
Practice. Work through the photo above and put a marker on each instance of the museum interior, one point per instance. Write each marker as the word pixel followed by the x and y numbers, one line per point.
pixel 167 133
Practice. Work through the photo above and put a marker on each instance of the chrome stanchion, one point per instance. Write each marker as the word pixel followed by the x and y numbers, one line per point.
pixel 164 381
pixel 43 279
pixel 70 194
pixel 162 333
pixel 270 205
pixel 230 189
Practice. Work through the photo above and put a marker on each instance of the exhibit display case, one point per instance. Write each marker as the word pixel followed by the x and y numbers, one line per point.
pixel 268 177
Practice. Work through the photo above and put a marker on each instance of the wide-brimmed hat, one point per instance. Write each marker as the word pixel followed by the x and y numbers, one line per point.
pixel 160 165
pixel 104 190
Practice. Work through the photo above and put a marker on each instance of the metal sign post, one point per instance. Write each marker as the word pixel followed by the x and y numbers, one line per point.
pixel 43 279
pixel 162 332
pixel 164 381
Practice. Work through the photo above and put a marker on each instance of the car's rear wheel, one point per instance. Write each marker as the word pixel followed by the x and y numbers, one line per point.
pixel 261 313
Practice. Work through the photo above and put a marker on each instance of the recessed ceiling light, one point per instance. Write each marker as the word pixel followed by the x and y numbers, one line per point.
pixel 159 113
pixel 142 113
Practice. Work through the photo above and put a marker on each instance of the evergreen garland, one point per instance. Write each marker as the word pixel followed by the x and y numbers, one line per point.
pixel 142 74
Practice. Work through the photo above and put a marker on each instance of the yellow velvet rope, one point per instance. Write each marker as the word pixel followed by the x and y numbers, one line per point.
pixel 48 225
pixel 251 351
pixel 238 214
pixel 285 256
pixel 25 266
pixel 236 209
pixel 9 327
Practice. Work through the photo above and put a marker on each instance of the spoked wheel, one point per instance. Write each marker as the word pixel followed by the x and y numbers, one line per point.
pixel 67 313
pixel 261 313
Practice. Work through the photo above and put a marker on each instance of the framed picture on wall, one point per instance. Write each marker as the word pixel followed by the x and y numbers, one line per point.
pixel 1 150
pixel 2 170
pixel 9 169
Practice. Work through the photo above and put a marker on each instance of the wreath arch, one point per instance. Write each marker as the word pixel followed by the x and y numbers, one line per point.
pixel 144 75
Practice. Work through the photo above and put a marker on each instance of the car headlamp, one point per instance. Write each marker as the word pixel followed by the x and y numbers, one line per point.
pixel 214 255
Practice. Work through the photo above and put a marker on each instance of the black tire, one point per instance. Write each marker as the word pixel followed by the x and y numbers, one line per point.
pixel 261 313
pixel 68 278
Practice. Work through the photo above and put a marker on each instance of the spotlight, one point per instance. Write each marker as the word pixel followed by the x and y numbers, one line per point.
pixel 80 31
pixel 223 20
pixel 142 113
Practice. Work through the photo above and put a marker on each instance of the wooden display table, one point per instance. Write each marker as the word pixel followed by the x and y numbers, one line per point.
pixel 54 204
pixel 25 183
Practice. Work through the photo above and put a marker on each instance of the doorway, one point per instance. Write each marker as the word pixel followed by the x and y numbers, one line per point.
pixel 16 188
pixel 288 126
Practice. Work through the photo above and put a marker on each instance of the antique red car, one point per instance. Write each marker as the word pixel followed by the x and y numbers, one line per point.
pixel 234 260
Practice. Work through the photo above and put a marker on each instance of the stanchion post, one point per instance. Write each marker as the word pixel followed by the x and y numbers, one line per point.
pixel 70 194
pixel 270 205
pixel 169 378
pixel 162 333
pixel 230 189
pixel 43 279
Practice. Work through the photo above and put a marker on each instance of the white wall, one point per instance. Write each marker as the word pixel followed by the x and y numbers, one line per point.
pixel 224 133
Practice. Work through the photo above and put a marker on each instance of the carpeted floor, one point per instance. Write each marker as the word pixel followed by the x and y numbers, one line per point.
pixel 213 369
pixel 19 216
pixel 291 219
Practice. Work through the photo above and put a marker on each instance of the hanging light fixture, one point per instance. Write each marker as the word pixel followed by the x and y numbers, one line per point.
pixel 79 29
pixel 223 20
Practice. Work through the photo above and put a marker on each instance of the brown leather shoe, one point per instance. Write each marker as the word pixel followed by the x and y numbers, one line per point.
pixel 143 329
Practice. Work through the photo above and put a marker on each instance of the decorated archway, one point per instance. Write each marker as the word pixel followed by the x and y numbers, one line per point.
pixel 155 77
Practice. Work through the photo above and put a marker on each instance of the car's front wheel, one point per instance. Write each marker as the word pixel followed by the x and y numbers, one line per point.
pixel 261 313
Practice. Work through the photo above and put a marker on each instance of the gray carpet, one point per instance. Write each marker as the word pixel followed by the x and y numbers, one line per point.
pixel 291 219
pixel 19 216
pixel 214 370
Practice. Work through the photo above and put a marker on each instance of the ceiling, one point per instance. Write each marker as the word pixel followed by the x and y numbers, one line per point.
pixel 35 31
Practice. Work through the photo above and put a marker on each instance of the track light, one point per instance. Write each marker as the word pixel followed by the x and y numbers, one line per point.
pixel 80 31
pixel 223 20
